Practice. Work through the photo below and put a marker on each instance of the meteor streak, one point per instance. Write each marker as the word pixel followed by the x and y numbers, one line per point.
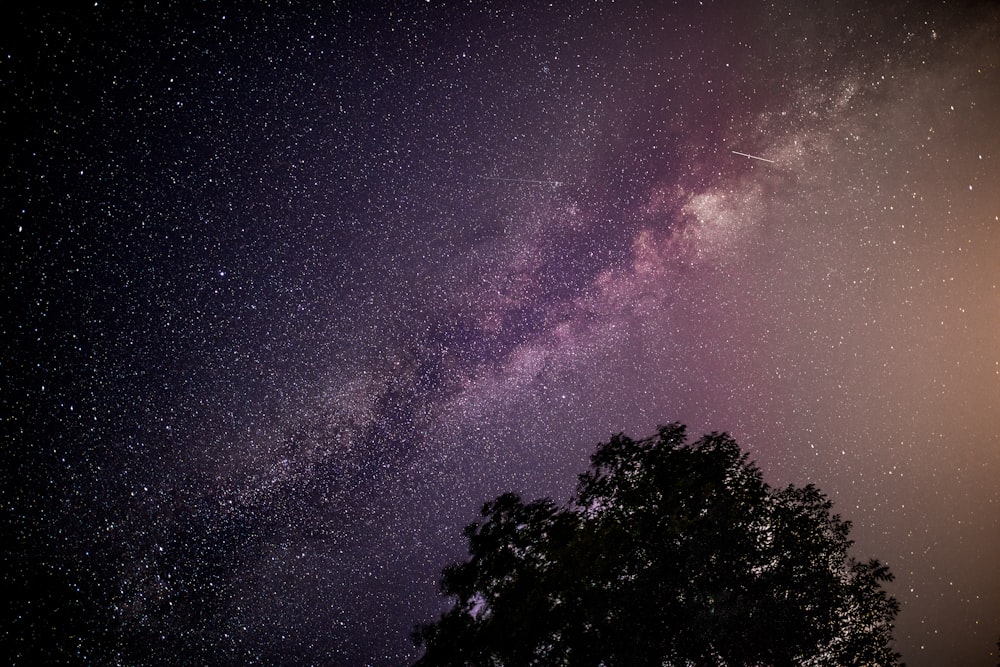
pixel 522 180
pixel 754 157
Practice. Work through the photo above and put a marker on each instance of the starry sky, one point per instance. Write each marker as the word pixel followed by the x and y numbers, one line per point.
pixel 291 289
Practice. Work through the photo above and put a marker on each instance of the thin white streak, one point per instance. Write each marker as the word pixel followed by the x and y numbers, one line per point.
pixel 522 180
pixel 754 157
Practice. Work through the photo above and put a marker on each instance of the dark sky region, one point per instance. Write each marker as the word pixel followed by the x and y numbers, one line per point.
pixel 275 324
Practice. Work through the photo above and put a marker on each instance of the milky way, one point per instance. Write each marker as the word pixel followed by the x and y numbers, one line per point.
pixel 292 291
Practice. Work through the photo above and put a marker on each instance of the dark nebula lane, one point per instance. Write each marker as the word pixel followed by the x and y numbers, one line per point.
pixel 290 291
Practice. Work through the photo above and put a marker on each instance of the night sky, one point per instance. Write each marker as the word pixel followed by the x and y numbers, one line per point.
pixel 291 290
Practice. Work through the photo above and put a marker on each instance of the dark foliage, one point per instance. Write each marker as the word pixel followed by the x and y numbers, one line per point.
pixel 669 554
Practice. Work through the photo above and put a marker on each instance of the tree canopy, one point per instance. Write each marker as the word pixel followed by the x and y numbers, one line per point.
pixel 670 553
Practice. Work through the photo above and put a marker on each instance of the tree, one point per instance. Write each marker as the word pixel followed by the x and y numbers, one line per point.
pixel 668 554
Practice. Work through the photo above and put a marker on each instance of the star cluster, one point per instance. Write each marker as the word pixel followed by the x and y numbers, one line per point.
pixel 291 291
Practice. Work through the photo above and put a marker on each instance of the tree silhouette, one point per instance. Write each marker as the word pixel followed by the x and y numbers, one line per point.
pixel 669 554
